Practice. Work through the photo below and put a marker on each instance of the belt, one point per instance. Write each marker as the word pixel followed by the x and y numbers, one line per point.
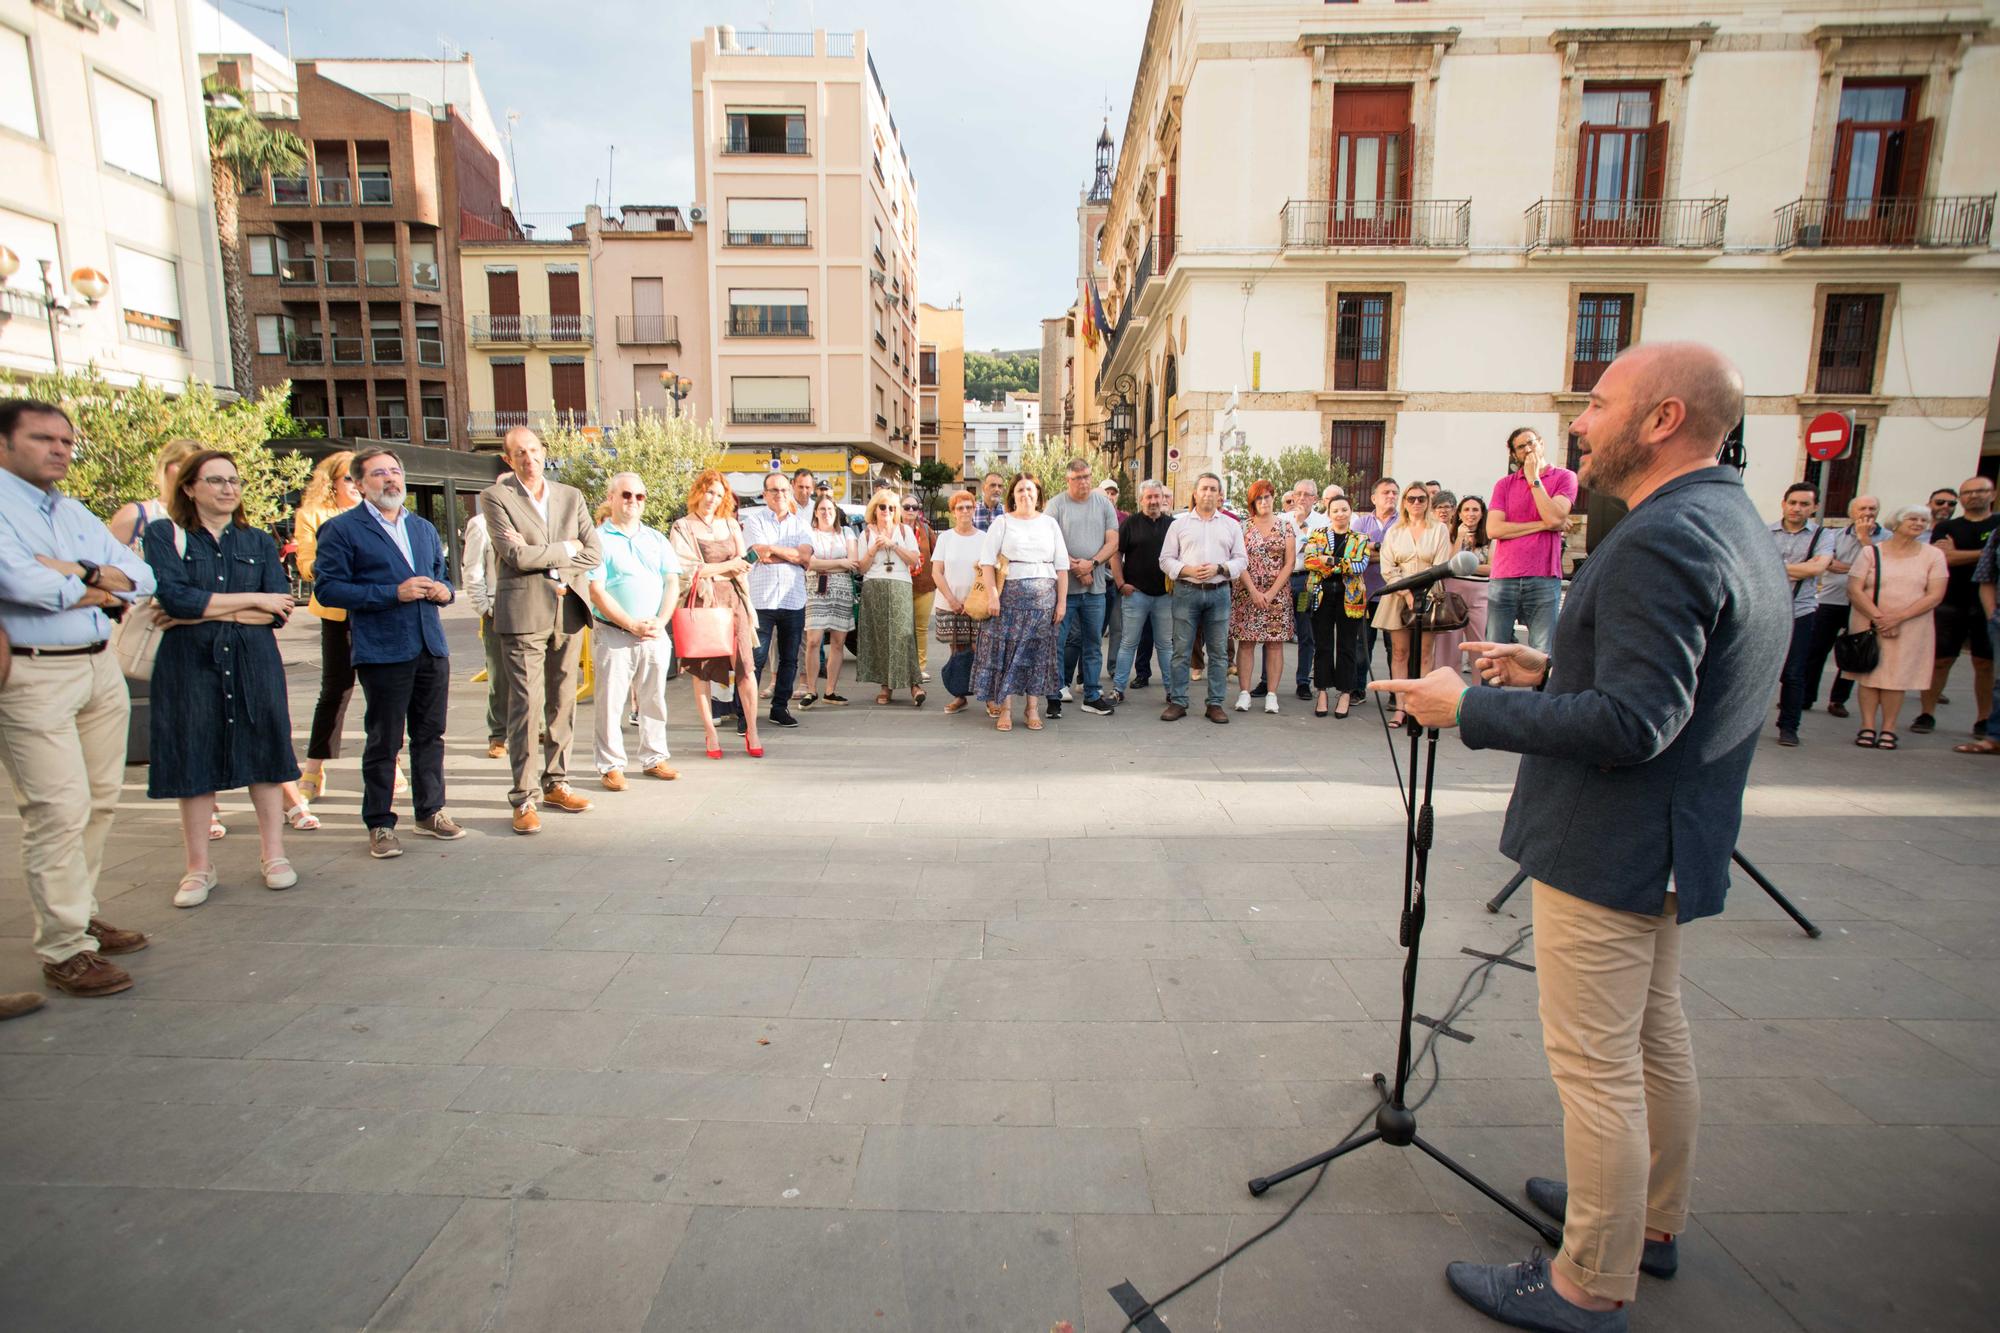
pixel 25 650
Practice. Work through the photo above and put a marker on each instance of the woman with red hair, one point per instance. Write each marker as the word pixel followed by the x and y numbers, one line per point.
pixel 709 542
pixel 1260 609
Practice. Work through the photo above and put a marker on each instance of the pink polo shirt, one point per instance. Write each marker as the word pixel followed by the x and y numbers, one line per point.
pixel 1539 554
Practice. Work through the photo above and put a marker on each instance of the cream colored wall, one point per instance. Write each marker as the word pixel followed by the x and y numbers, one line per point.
pixel 1763 322
pixel 1486 145
pixel 1482 333
pixel 682 267
pixel 1746 135
pixel 1464 450
pixel 1971 161
pixel 1941 340
pixel 1243 150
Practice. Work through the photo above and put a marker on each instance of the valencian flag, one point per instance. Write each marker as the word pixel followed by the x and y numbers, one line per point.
pixel 1096 327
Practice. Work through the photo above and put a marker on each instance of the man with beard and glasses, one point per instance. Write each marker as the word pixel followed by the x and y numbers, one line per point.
pixel 1636 736
pixel 385 567
pixel 1525 520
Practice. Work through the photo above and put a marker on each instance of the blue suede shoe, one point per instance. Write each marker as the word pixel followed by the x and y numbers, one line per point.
pixel 1660 1258
pixel 1521 1295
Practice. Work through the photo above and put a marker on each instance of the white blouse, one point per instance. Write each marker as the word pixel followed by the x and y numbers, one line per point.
pixel 960 557
pixel 1034 547
pixel 887 564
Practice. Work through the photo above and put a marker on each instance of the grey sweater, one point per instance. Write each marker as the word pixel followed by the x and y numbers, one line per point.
pixel 1636 755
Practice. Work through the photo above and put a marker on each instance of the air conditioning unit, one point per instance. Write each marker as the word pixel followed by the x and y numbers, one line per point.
pixel 1812 236
pixel 697 214
pixel 877 276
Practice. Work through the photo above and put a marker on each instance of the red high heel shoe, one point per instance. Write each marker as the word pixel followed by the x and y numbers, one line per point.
pixel 713 752
pixel 754 751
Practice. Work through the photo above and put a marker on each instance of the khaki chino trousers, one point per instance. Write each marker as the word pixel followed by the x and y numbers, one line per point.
pixel 1623 1064
pixel 541 694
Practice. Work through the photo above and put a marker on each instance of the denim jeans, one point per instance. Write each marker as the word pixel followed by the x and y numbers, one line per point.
pixel 1533 601
pixel 789 628
pixel 1829 623
pixel 1144 611
pixel 1083 642
pixel 1200 609
pixel 1302 630
pixel 1792 678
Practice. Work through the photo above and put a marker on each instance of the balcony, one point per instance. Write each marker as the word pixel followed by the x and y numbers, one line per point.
pixel 297 271
pixel 321 424
pixel 342 271
pixel 392 428
pixel 336 190
pixel 765 145
pixel 770 416
pixel 648 330
pixel 430 351
pixel 15 303
pixel 387 349
pixel 881 422
pixel 347 351
pixel 377 190
pixel 503 328
pixel 880 341
pixel 305 352
pixel 747 43
pixel 424 274
pixel 354 428
pixel 493 424
pixel 1410 224
pixel 569 329
pixel 1663 224
pixel 380 272
pixel 1929 222
pixel 784 239
pixel 274 105
pixel 290 190
pixel 437 430
pixel 769 324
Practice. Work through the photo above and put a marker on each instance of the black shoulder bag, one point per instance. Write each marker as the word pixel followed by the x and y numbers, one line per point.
pixel 1859 653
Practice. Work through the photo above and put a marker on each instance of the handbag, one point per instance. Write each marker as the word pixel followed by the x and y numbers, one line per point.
pixel 136 638
pixel 702 631
pixel 1860 652
pixel 983 603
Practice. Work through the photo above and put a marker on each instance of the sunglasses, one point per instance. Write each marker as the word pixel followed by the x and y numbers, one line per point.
pixel 632 495
pixel 911 509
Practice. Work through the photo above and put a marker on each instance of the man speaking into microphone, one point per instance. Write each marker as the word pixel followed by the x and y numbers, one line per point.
pixel 1636 734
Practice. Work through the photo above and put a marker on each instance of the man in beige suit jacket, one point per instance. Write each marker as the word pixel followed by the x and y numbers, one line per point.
pixel 544 546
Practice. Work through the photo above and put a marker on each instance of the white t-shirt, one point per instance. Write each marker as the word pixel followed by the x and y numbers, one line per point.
pixel 960 557
pixel 887 564
pixel 1034 547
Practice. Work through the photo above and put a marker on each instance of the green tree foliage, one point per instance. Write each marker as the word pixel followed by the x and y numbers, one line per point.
pixel 1241 467
pixel 1046 459
pixel 989 376
pixel 667 453
pixel 119 430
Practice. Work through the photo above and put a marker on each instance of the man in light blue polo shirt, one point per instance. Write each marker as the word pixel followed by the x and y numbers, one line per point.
pixel 632 596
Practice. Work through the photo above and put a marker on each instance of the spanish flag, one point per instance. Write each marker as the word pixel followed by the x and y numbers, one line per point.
pixel 1096 327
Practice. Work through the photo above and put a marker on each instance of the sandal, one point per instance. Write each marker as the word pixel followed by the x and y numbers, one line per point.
pixel 216 831
pixel 1865 738
pixel 194 888
pixel 302 818
pixel 1977 747
pixel 882 698
pixel 1034 722
pixel 1003 722
pixel 278 873
pixel 1886 741
pixel 917 698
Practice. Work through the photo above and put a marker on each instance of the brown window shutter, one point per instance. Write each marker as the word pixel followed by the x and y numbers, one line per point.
pixel 1586 148
pixel 1408 167
pixel 565 297
pixel 566 386
pixel 1654 185
pixel 510 388
pixel 503 293
pixel 1916 159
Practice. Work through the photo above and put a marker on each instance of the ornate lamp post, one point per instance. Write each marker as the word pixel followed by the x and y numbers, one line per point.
pixel 678 388
pixel 86 285
pixel 1118 428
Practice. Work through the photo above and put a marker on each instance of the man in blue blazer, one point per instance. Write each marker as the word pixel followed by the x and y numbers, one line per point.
pixel 385 567
pixel 1636 736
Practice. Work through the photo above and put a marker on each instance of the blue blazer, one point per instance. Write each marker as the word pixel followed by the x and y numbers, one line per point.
pixel 358 569
pixel 1635 756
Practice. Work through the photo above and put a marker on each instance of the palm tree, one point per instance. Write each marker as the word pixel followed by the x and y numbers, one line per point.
pixel 241 147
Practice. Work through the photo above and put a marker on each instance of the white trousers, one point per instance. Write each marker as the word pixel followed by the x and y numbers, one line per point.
pixel 628 667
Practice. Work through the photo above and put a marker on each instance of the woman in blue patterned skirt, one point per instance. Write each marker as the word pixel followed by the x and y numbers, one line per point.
pixel 1019 652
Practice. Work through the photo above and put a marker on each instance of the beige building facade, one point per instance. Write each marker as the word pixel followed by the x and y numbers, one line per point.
pixel 104 177
pixel 1396 234
pixel 530 335
pixel 649 279
pixel 941 386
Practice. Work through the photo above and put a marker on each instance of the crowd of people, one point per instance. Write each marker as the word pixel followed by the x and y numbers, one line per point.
pixel 1034 602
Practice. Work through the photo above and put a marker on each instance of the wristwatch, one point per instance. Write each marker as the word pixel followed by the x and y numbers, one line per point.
pixel 89 575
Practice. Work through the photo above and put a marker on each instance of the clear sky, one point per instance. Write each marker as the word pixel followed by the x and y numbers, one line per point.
pixel 999 106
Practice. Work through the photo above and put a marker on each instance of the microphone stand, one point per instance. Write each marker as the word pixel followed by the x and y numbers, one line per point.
pixel 1395 1121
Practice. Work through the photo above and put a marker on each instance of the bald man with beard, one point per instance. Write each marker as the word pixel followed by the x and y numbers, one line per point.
pixel 1636 734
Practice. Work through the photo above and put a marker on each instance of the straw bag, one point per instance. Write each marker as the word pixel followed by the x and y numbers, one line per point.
pixel 136 638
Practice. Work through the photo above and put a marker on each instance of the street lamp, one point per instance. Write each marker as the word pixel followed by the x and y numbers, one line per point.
pixel 678 388
pixel 88 285
pixel 1118 428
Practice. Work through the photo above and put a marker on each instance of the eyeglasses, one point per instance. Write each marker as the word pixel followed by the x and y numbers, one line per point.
pixel 911 509
pixel 222 483
pixel 380 472
pixel 640 496
pixel 1417 498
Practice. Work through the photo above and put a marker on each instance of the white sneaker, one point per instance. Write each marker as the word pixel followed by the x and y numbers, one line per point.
pixel 1065 695
pixel 1243 702
pixel 1270 703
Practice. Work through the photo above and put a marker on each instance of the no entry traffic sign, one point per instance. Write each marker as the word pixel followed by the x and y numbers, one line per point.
pixel 1829 435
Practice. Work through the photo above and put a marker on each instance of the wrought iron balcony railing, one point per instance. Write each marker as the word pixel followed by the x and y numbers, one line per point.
pixel 503 329
pixel 568 329
pixel 1420 224
pixel 766 145
pixel 1667 224
pixel 786 239
pixel 649 330
pixel 769 324
pixel 770 416
pixel 1926 222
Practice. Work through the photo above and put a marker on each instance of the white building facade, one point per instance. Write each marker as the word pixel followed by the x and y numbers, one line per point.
pixel 994 433
pixel 104 175
pixel 1398 232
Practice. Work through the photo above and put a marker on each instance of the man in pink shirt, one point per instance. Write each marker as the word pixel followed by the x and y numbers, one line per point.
pixel 1525 519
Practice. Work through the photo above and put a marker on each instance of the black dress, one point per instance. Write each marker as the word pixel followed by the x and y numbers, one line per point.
pixel 220 719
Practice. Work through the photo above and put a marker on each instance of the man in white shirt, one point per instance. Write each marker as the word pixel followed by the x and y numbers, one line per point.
pixel 1203 554
pixel 781 538
pixel 475 547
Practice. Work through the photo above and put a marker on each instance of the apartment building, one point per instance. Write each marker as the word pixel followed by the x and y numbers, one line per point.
pixel 530 335
pixel 648 277
pixel 353 266
pixel 107 217
pixel 1394 234
pixel 811 253
pixel 941 385
pixel 995 432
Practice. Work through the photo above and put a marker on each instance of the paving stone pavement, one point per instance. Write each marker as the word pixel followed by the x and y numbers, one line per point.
pixel 913 1026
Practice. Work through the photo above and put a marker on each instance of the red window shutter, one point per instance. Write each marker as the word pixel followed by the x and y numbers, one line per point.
pixel 565 297
pixel 1654 185
pixel 1916 159
pixel 1843 153
pixel 566 386
pixel 1405 170
pixel 503 293
pixel 1586 149
pixel 510 388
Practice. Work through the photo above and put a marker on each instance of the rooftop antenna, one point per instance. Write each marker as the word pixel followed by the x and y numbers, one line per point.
pixel 513 164
pixel 611 174
pixel 268 9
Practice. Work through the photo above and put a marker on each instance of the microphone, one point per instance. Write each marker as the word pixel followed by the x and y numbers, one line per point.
pixel 1461 566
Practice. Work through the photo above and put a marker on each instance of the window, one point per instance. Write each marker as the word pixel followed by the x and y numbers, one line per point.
pixel 379 262
pixel 881 412
pixel 1358 445
pixel 510 394
pixel 430 337
pixel 503 301
pixel 1372 142
pixel 1848 336
pixel 761 400
pixel 128 132
pixel 780 130
pixel 270 335
pixel 768 312
pixel 150 293
pixel 386 342
pixel 1840 480
pixel 1603 330
pixel 263 256
pixel 927 366
pixel 1361 341
pixel 1880 156
pixel 424 264
pixel 566 385
pixel 33 240
pixel 878 242
pixel 767 222
pixel 1621 163
pixel 880 339
pixel 17 86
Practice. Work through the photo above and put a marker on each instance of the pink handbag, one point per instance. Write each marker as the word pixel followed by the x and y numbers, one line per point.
pixel 703 631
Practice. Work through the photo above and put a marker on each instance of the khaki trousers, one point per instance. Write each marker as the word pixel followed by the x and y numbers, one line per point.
pixel 921 613
pixel 541 694
pixel 62 737
pixel 1623 1064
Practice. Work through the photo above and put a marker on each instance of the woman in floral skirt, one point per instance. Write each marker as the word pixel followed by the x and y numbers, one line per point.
pixel 1018 652
pixel 1260 605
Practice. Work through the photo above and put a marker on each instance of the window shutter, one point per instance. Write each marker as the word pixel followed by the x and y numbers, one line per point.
pixel 1654 186
pixel 1916 159
pixel 566 386
pixel 1406 166
pixel 510 387
pixel 1586 149
pixel 565 294
pixel 1843 153
pixel 503 293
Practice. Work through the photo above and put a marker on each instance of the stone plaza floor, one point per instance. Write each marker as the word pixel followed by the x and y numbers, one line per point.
pixel 913 1026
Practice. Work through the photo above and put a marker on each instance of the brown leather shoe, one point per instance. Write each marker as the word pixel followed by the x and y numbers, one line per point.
pixel 526 820
pixel 1172 713
pixel 20 1002
pixel 613 780
pixel 662 772
pixel 561 796
pixel 110 939
pixel 1215 714
pixel 87 975
pixel 496 749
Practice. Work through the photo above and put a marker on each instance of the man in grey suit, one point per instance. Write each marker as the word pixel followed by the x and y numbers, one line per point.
pixel 1636 738
pixel 544 546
